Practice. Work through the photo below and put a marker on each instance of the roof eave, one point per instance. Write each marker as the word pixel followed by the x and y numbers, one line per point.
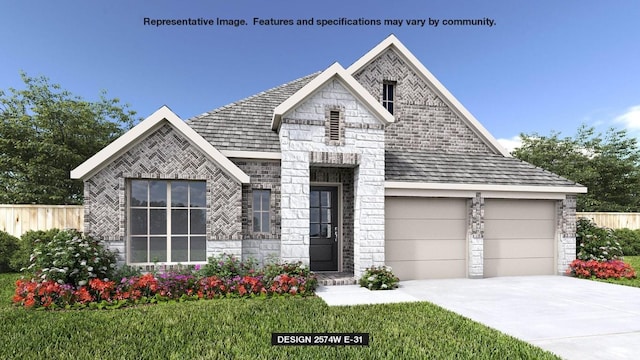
pixel 139 132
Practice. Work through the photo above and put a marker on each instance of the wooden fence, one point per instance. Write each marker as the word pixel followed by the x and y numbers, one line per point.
pixel 613 220
pixel 18 219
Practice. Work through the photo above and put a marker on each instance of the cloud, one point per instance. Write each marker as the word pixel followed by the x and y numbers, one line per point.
pixel 631 118
pixel 511 144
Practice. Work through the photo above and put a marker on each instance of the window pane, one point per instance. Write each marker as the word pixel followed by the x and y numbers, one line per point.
pixel 157 221
pixel 157 193
pixel 138 221
pixel 179 193
pixel 325 198
pixel 326 215
pixel 198 248
pixel 324 230
pixel 265 200
pixel 158 249
pixel 179 248
pixel 314 230
pixel 390 92
pixel 390 107
pixel 265 222
pixel 314 200
pixel 198 222
pixel 179 221
pixel 256 200
pixel 198 194
pixel 139 192
pixel 138 249
pixel 256 222
pixel 314 215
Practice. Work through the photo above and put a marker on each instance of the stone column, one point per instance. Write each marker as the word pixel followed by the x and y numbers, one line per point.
pixel 476 237
pixel 566 219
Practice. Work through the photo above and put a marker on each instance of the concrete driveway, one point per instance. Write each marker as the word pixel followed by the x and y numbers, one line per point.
pixel 573 318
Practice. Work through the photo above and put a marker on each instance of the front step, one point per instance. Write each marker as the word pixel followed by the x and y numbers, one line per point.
pixel 335 278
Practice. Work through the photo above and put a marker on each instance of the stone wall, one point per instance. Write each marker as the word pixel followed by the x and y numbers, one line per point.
pixel 422 120
pixel 302 134
pixel 567 232
pixel 164 154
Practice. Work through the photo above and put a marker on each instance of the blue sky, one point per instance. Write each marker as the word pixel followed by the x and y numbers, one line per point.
pixel 546 65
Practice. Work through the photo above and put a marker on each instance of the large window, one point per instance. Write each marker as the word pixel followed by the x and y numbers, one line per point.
pixel 167 221
pixel 261 207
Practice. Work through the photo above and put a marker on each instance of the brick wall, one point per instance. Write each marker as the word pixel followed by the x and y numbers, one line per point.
pixel 164 154
pixel 422 120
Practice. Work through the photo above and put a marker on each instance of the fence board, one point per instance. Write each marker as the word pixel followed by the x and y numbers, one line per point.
pixel 613 220
pixel 18 219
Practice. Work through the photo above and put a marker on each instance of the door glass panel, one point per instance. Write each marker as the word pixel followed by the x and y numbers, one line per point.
pixel 314 199
pixel 198 194
pixel 179 221
pixel 157 193
pixel 324 231
pixel 198 248
pixel 157 221
pixel 179 194
pixel 179 249
pixel 139 193
pixel 158 249
pixel 314 215
pixel 325 198
pixel 138 221
pixel 138 249
pixel 326 216
pixel 314 230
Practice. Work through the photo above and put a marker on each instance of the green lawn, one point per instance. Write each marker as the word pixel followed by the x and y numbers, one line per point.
pixel 634 261
pixel 241 329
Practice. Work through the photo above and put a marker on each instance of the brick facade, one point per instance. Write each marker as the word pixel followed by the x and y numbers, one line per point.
pixel 423 120
pixel 164 154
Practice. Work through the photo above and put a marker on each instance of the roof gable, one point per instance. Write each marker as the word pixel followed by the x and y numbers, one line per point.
pixel 395 44
pixel 335 71
pixel 139 132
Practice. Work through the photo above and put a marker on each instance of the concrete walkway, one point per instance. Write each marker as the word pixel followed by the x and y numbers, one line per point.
pixel 573 318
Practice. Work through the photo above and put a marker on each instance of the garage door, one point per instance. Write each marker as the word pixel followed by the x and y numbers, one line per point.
pixel 519 237
pixel 425 237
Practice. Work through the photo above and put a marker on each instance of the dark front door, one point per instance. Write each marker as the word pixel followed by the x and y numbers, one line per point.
pixel 323 228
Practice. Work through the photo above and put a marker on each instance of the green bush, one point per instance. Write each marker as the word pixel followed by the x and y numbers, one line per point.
pixel 595 243
pixel 294 270
pixel 227 266
pixel 379 278
pixel 8 246
pixel 629 241
pixel 71 258
pixel 21 258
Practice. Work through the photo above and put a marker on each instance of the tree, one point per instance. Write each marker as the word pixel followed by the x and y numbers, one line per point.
pixel 45 132
pixel 607 164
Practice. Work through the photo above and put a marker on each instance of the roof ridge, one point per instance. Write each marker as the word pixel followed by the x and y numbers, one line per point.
pixel 251 97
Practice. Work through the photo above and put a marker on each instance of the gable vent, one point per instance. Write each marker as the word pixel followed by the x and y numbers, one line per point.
pixel 334 125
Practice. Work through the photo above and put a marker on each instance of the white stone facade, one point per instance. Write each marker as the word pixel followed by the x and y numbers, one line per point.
pixel 302 133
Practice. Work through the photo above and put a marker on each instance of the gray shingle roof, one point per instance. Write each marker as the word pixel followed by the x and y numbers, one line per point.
pixel 246 124
pixel 468 168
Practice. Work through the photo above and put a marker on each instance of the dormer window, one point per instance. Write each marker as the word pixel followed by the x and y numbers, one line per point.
pixel 388 95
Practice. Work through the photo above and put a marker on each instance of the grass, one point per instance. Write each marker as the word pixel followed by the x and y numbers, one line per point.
pixel 241 329
pixel 634 261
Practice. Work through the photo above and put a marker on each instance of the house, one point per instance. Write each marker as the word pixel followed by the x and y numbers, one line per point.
pixel 343 169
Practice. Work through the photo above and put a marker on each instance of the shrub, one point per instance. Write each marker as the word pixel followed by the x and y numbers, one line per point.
pixel 71 258
pixel 226 265
pixel 290 278
pixel 595 243
pixel 379 278
pixel 616 269
pixel 8 246
pixel 20 259
pixel 629 241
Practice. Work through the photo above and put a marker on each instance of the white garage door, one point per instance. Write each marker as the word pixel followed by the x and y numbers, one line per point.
pixel 425 238
pixel 519 237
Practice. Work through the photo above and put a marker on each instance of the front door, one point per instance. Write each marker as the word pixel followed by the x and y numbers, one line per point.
pixel 323 228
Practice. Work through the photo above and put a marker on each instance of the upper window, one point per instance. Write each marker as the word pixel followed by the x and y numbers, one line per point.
pixel 388 95
pixel 261 207
pixel 167 221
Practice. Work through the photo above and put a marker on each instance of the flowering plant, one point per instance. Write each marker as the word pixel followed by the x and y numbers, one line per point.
pixel 616 269
pixel 71 258
pixel 379 278
pixel 227 265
